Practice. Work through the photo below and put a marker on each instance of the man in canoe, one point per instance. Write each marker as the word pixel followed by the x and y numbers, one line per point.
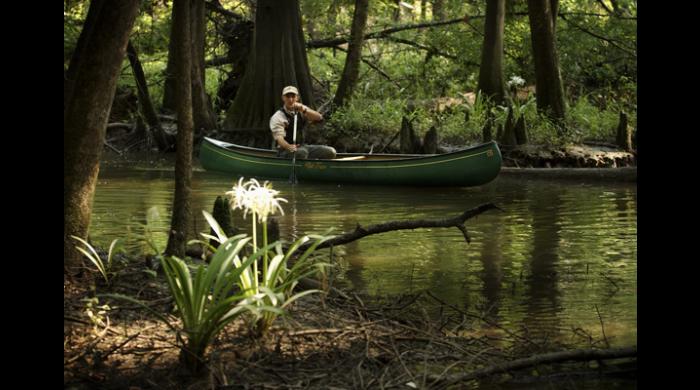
pixel 282 127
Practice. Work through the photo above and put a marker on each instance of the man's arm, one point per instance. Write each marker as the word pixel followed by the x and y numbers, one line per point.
pixel 284 144
pixel 311 115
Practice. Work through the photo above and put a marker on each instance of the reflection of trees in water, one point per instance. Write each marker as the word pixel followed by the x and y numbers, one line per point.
pixel 492 273
pixel 121 203
pixel 445 267
pixel 626 203
pixel 542 290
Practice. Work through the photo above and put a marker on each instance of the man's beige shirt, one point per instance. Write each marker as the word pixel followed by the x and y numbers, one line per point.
pixel 278 123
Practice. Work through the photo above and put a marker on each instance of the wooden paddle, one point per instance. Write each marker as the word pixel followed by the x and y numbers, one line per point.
pixel 293 175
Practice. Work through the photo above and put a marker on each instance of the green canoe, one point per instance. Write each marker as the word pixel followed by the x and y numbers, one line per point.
pixel 468 167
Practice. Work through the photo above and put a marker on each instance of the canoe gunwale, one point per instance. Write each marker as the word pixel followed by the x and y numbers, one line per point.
pixel 371 158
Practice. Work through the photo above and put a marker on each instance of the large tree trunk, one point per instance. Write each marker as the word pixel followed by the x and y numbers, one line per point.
pixel 85 119
pixel 491 72
pixel 72 72
pixel 204 118
pixel 145 99
pixel 352 61
pixel 550 92
pixel 181 214
pixel 278 59
pixel 238 37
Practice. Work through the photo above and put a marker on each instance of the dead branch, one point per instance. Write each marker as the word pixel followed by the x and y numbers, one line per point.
pixel 611 41
pixel 107 144
pixel 547 358
pixel 216 6
pixel 119 125
pixel 423 47
pixel 384 33
pixel 361 232
pixel 375 67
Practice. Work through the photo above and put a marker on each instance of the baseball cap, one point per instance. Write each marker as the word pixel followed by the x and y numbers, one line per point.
pixel 290 89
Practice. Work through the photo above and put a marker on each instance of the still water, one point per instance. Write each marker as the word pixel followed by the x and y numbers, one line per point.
pixel 559 253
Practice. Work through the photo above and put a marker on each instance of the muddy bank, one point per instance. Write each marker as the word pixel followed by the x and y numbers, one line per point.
pixel 570 156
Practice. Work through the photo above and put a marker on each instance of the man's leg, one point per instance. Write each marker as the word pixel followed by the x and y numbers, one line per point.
pixel 301 153
pixel 320 152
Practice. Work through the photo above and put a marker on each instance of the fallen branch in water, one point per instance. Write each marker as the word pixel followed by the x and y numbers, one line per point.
pixel 361 232
pixel 547 358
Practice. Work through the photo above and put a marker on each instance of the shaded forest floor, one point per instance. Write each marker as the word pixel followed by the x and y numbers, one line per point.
pixel 330 340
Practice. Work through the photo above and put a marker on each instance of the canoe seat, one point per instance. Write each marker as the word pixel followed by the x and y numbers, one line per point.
pixel 350 158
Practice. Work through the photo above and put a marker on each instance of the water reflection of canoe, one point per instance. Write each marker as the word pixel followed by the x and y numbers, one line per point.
pixel 473 166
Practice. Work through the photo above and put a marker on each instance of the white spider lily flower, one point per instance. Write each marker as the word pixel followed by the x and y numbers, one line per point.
pixel 238 195
pixel 251 197
pixel 516 81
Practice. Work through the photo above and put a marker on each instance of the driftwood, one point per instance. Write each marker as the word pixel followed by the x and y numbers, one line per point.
pixel 361 232
pixel 547 358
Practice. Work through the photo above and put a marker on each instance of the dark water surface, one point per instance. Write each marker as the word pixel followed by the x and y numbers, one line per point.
pixel 559 253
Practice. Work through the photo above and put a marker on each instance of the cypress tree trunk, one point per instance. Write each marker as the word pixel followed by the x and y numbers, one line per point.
pixel 239 41
pixel 183 165
pixel 352 61
pixel 278 59
pixel 491 71
pixel 550 92
pixel 145 99
pixel 204 117
pixel 72 72
pixel 85 119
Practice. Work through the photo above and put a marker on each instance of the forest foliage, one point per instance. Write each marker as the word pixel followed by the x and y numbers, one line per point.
pixel 428 74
